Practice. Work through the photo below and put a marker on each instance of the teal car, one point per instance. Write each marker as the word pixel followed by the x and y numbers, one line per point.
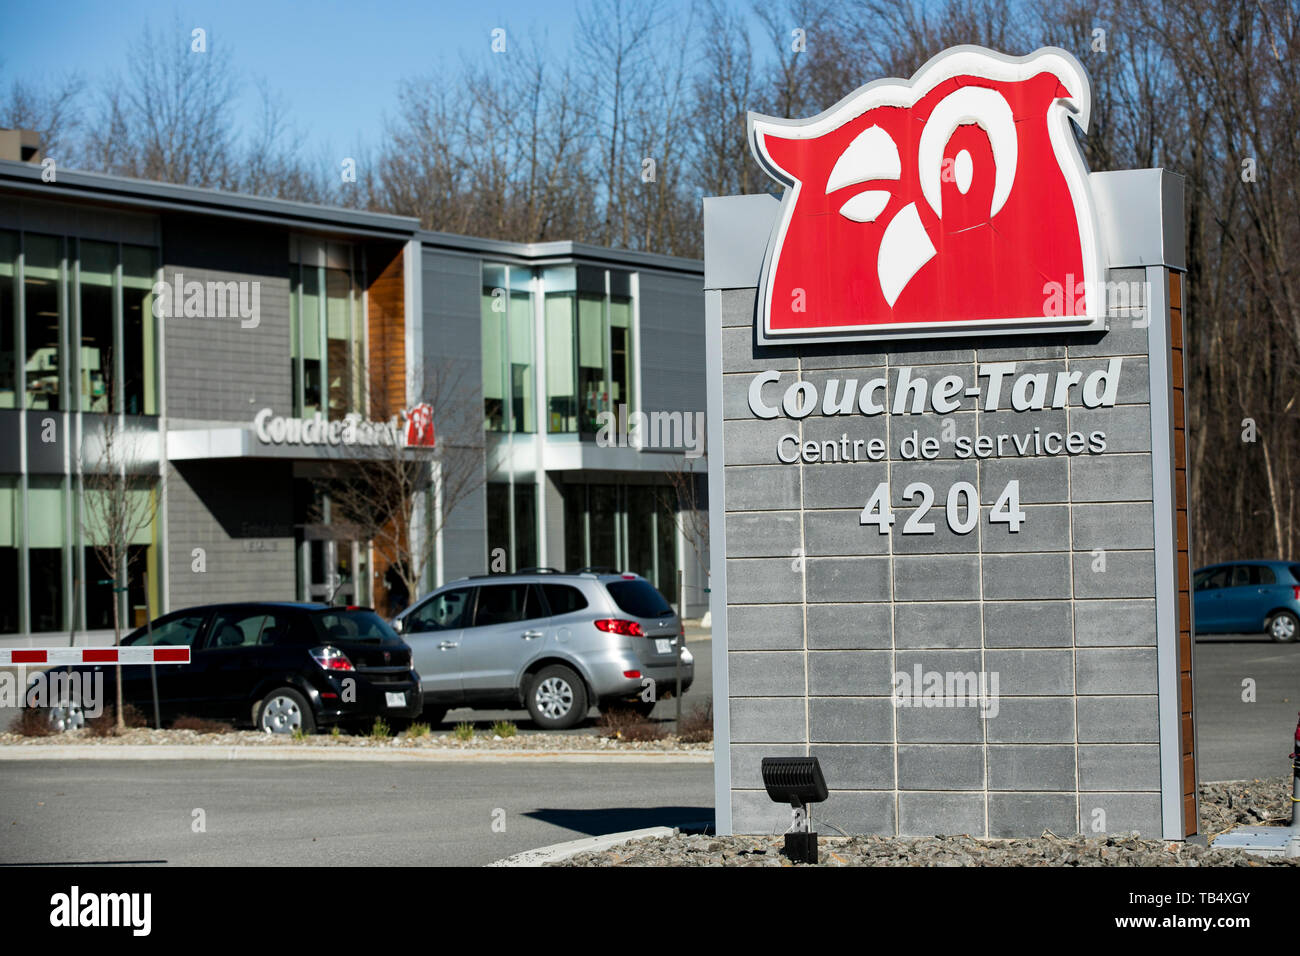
pixel 1248 597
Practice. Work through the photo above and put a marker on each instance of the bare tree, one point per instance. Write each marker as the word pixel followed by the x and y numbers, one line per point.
pixel 119 502
pixel 399 497
pixel 686 498
pixel 54 112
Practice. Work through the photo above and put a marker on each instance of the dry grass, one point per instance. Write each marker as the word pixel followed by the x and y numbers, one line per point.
pixel 625 724
pixel 201 726
pixel 105 725
pixel 32 722
pixel 697 726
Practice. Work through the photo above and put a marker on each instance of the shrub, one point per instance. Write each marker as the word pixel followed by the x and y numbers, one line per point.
pixel 504 728
pixel 380 728
pixel 200 725
pixel 32 722
pixel 336 731
pixel 697 726
pixel 417 730
pixel 105 725
pixel 620 723
pixel 463 731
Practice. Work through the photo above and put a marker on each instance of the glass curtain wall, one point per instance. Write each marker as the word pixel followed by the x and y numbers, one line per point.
pixel 589 347
pixel 74 314
pixel 622 528
pixel 326 331
pixel 507 317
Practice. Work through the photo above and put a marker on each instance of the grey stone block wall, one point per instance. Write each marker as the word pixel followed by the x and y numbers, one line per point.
pixel 240 515
pixel 823 611
pixel 253 371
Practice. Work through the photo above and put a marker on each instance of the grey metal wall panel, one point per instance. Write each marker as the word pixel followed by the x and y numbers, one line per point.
pixel 101 223
pixel 217 370
pixel 240 515
pixel 451 286
pixel 672 343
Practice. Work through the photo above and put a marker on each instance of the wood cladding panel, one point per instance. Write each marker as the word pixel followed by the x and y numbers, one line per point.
pixel 1182 556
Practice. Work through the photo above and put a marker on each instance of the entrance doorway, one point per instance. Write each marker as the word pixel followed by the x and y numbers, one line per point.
pixel 334 571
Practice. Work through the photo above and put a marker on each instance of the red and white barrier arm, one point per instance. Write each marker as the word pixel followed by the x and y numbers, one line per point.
pixel 45 656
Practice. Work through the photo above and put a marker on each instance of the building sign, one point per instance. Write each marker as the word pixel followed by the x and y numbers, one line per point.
pixel 954 202
pixel 951 562
pixel 351 430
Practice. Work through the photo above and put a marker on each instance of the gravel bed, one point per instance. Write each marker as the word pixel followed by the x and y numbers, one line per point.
pixel 1222 805
pixel 524 740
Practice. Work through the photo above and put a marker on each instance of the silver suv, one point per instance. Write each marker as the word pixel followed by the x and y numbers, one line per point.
pixel 552 641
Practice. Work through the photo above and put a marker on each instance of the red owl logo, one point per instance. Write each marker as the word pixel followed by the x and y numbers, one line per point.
pixel 419 426
pixel 956 202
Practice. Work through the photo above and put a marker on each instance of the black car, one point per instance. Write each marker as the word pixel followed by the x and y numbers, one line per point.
pixel 280 667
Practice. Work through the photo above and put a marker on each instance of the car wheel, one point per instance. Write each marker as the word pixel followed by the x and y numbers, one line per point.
pixel 283 711
pixel 66 715
pixel 557 698
pixel 1283 627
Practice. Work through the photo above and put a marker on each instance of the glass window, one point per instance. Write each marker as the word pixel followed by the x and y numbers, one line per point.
pixel 42 258
pixel 1240 576
pixel 521 358
pixel 525 526
pixel 561 380
pixel 8 320
pixel 563 599
pixel 1213 578
pixel 340 342
pixel 620 352
pixel 139 343
pixel 232 629
pixel 309 332
pixel 603 547
pixel 48 535
pixel 10 517
pixel 593 387
pixel 666 524
pixel 1262 575
pixel 326 340
pixel 589 346
pixel 98 263
pixel 498 525
pixel 575 518
pixel 175 631
pixel 442 612
pixel 506 604
pixel 639 598
pixel 506 311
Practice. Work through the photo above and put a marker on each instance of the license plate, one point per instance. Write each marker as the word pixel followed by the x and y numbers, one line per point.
pixel 664 645
pixel 395 700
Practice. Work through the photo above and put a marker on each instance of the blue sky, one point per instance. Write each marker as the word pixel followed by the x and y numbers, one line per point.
pixel 335 63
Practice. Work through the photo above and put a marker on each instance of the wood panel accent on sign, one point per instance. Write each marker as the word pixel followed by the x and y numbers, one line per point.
pixel 1185 641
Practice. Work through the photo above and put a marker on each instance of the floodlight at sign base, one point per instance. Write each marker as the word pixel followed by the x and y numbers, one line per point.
pixel 797 781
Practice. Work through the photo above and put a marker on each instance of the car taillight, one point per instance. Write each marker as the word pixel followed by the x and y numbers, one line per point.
pixel 1295 592
pixel 331 659
pixel 617 626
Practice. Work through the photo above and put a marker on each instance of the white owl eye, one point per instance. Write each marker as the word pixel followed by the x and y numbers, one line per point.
pixel 871 155
pixel 988 110
pixel 865 206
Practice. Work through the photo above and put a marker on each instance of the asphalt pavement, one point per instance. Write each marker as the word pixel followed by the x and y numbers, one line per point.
pixel 328 814
pixel 1240 738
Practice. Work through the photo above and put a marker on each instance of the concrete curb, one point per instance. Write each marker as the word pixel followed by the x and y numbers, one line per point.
pixel 271 752
pixel 562 851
